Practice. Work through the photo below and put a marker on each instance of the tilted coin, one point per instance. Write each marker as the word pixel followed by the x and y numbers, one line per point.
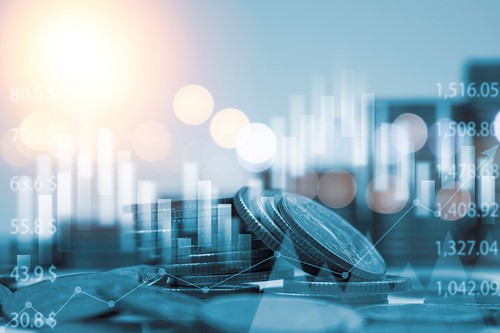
pixel 139 273
pixel 223 289
pixel 5 293
pixel 327 235
pixel 488 305
pixel 248 204
pixel 153 302
pixel 341 299
pixel 387 284
pixel 251 313
pixel 215 279
pixel 423 313
pixel 67 298
pixel 222 267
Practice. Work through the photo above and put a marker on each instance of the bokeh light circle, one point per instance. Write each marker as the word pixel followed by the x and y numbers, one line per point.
pixel 225 126
pixel 387 194
pixel 497 126
pixel 256 147
pixel 452 203
pixel 337 188
pixel 307 185
pixel 151 141
pixel 415 131
pixel 37 131
pixel 193 104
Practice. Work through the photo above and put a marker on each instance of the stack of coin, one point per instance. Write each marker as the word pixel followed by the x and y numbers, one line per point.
pixel 354 293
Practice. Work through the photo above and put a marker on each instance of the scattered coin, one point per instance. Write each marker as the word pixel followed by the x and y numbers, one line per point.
pixel 251 313
pixel 223 289
pixel 341 299
pixel 428 313
pixel 387 284
pixel 488 305
pixel 223 267
pixel 154 302
pixel 328 236
pixel 254 256
pixel 210 280
pixel 70 297
pixel 248 205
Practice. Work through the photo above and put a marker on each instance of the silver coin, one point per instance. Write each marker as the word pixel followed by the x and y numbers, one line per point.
pixel 387 284
pixel 154 302
pixel 139 273
pixel 223 289
pixel 247 203
pixel 256 256
pixel 340 299
pixel 328 236
pixel 70 297
pixel 422 313
pixel 215 279
pixel 256 314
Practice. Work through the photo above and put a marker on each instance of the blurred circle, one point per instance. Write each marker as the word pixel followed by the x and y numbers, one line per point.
pixel 451 203
pixel 225 126
pixel 37 131
pixel 307 185
pixel 64 143
pixel 414 128
pixel 337 188
pixel 9 151
pixel 256 147
pixel 193 104
pixel 444 139
pixel 386 194
pixel 151 141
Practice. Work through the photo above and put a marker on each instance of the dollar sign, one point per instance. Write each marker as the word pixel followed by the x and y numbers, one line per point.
pixel 51 320
pixel 53 275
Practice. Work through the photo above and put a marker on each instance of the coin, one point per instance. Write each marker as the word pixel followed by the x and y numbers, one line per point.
pixel 215 279
pixel 252 313
pixel 341 299
pixel 387 284
pixel 153 302
pixel 423 313
pixel 223 289
pixel 70 297
pixel 488 305
pixel 328 236
pixel 247 203
pixel 222 267
pixel 5 293
pixel 139 273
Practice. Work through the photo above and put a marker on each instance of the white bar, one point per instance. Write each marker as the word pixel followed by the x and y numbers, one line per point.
pixel 125 197
pixel 164 207
pixel 297 108
pixel 190 179
pixel 278 127
pixel 423 173
pixel 225 232
pixel 367 111
pixel 467 167
pixel 64 210
pixel 84 191
pixel 347 113
pixel 487 204
pixel 289 166
pixel 306 161
pixel 184 250
pixel 384 156
pixel 204 213
pixel 105 177
pixel 427 195
pixel 45 220
pixel 327 123
pixel 317 90
pixel 25 215
pixel 146 197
